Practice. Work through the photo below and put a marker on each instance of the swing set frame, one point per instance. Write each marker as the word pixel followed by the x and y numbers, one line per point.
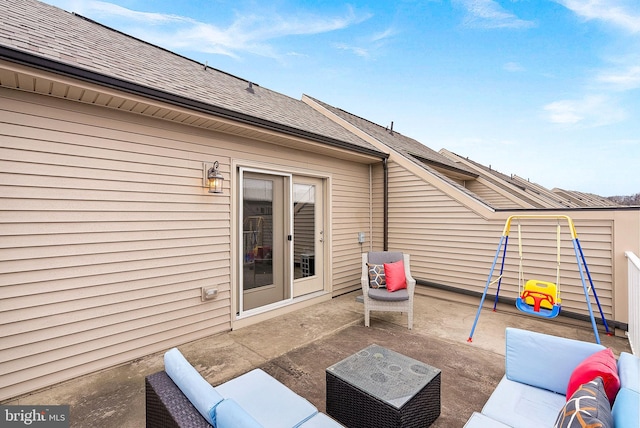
pixel 521 303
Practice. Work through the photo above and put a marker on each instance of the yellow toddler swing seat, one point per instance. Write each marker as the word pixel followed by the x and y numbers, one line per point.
pixel 539 298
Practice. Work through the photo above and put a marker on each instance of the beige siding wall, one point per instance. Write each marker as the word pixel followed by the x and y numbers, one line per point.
pixel 489 195
pixel 350 215
pixel 453 245
pixel 107 235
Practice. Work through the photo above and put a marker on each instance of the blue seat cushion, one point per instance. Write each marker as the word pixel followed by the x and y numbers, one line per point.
pixel 626 409
pixel 518 405
pixel 478 420
pixel 267 401
pixel 629 371
pixel 320 420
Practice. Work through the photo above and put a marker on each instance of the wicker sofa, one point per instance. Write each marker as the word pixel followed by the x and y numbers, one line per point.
pixel 180 397
pixel 540 367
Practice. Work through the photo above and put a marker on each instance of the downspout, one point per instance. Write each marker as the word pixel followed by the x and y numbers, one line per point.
pixel 385 204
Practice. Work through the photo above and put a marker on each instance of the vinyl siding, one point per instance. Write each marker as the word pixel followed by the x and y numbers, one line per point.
pixel 454 246
pixel 107 235
pixel 350 215
pixel 489 195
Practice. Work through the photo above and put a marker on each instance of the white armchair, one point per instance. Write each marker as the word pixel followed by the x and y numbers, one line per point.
pixel 380 299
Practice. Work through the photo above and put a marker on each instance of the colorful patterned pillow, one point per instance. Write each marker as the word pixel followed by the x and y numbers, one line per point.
pixel 587 407
pixel 376 276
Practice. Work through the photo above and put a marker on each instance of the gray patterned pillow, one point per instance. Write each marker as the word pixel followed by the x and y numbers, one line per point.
pixel 587 407
pixel 376 276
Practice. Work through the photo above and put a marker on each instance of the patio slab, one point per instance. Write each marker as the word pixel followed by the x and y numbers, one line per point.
pixel 115 397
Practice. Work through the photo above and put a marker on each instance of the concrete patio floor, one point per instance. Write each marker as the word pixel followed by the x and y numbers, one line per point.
pixel 115 397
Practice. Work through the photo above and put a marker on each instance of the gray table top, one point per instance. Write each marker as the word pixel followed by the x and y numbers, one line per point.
pixel 385 374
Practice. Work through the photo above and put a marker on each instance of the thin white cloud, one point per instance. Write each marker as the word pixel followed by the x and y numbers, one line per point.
pixel 489 14
pixel 620 13
pixel 513 67
pixel 357 50
pixel 249 32
pixel 389 32
pixel 625 78
pixel 590 111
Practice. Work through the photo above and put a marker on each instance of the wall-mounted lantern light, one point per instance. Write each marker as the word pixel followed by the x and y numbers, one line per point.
pixel 212 178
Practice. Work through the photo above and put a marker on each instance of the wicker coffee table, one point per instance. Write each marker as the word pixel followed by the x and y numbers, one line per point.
pixel 377 387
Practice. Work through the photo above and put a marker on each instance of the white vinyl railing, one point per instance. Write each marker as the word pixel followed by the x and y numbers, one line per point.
pixel 634 302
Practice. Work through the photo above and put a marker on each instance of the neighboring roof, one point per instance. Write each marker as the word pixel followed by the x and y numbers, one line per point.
pixel 408 147
pixel 43 36
pixel 533 193
pixel 506 183
pixel 585 199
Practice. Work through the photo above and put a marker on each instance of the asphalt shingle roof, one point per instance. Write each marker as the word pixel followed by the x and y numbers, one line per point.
pixel 408 147
pixel 48 32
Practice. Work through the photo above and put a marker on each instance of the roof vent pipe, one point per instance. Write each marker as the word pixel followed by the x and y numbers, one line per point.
pixel 391 130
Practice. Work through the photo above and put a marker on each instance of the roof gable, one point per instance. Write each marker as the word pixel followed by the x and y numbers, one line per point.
pixel 406 146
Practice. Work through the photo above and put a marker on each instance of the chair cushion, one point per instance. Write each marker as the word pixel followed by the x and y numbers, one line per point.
pixel 230 415
pixel 602 364
pixel 267 401
pixel 320 420
pixel 377 277
pixel 587 407
pixel 626 409
pixel 542 360
pixel 394 276
pixel 478 420
pixel 518 405
pixel 199 392
pixel 382 257
pixel 383 294
pixel 629 371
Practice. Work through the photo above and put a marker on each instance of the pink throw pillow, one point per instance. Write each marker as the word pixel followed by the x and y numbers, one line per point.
pixel 394 276
pixel 603 364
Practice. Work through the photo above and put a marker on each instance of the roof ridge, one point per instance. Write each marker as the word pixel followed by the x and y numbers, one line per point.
pixel 386 128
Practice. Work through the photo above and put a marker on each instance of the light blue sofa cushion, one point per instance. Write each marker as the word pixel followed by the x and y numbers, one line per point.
pixel 518 405
pixel 320 420
pixel 542 360
pixel 626 409
pixel 230 415
pixel 268 401
pixel 200 393
pixel 478 420
pixel 629 371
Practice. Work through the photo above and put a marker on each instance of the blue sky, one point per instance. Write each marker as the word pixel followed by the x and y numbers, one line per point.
pixel 545 89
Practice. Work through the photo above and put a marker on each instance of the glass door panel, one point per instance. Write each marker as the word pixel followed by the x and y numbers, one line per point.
pixel 308 235
pixel 264 247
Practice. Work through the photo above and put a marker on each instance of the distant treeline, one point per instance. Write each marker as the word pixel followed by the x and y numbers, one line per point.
pixel 626 200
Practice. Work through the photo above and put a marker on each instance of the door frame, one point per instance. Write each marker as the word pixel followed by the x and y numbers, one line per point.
pixel 236 256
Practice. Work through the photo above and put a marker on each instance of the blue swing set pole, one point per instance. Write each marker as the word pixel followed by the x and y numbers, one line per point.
pixel 595 295
pixel 504 254
pixel 586 291
pixel 486 287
